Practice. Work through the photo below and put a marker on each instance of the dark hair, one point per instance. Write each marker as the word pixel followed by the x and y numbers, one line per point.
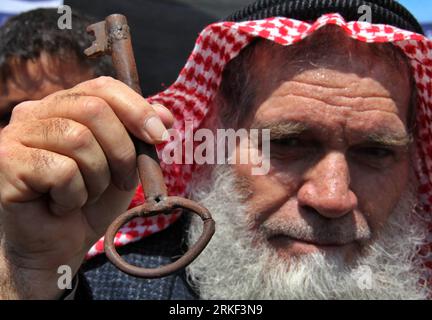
pixel 383 11
pixel 26 35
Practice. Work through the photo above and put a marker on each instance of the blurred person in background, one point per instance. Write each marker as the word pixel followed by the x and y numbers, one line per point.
pixel 37 58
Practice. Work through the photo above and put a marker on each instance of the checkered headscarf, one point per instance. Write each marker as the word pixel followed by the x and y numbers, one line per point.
pixel 190 96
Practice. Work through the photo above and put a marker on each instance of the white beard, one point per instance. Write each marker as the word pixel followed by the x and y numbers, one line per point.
pixel 232 268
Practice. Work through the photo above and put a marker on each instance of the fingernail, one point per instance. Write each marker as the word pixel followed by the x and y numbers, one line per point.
pixel 155 128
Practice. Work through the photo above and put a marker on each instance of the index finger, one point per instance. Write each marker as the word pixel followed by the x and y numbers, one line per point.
pixel 139 117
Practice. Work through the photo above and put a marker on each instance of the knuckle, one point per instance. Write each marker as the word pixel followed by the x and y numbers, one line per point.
pixel 94 107
pixel 68 169
pixel 4 152
pixel 12 187
pixel 7 132
pixel 8 196
pixel 22 110
pixel 78 137
pixel 100 82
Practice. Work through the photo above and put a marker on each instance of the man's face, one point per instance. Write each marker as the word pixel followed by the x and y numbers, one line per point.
pixel 35 79
pixel 339 153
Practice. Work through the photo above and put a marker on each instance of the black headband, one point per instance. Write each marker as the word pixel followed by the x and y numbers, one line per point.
pixel 383 11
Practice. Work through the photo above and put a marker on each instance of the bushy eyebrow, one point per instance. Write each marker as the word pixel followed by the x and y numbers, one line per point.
pixel 390 140
pixel 283 129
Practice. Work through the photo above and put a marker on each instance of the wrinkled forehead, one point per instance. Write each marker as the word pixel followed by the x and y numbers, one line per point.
pixel 330 57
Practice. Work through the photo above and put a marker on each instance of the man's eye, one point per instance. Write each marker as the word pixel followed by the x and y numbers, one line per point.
pixel 375 152
pixel 293 148
pixel 288 142
pixel 375 157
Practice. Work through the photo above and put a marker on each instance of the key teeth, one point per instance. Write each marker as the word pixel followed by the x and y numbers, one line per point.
pixel 93 51
pixel 99 45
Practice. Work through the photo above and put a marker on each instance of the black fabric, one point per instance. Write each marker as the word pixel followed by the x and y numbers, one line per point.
pixel 383 11
pixel 100 280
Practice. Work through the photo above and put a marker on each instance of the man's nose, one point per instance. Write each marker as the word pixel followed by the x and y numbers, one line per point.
pixel 326 187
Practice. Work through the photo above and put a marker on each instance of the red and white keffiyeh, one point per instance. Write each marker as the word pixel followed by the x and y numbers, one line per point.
pixel 190 96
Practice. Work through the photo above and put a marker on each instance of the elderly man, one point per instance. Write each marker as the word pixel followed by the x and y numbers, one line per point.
pixel 340 214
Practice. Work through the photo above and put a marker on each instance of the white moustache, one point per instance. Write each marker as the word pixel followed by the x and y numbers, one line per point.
pixel 318 230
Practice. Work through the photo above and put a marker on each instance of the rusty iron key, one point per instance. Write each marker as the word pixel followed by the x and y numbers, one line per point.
pixel 113 38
